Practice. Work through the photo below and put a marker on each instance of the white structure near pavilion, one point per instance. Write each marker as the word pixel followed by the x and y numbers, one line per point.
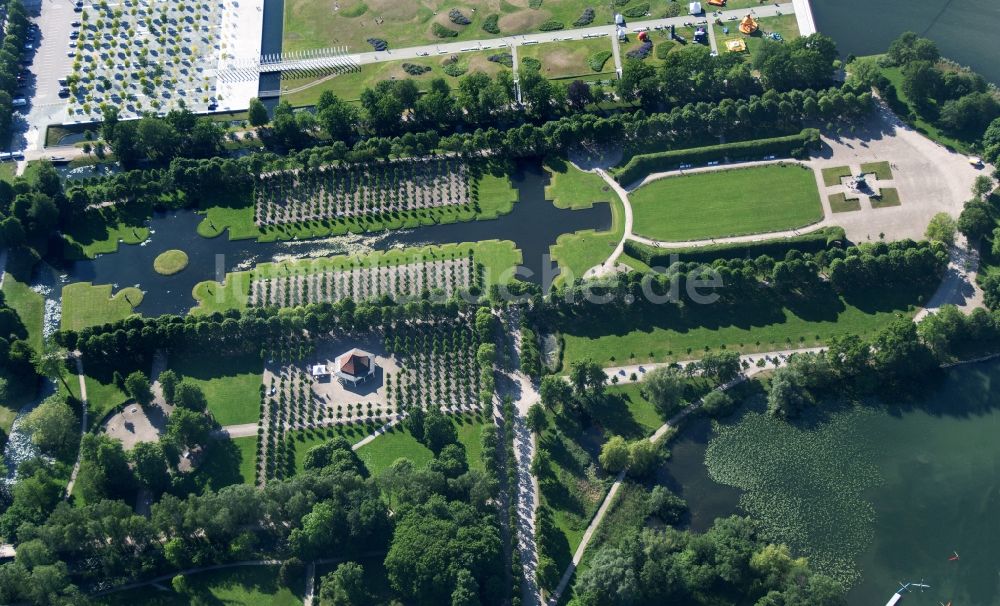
pixel 354 366
pixel 694 8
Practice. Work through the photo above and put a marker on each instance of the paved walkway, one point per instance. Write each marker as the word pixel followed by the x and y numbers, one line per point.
pixel 959 287
pixel 307 600
pixel 611 264
pixel 78 358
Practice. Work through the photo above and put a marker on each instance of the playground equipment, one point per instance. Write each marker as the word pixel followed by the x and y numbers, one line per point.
pixel 736 45
pixel 748 25
pixel 717 2
pixel 643 36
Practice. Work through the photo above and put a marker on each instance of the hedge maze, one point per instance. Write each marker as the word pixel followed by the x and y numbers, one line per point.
pixel 401 282
pixel 355 190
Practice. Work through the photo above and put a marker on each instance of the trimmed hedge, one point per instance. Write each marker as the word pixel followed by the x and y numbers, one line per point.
pixel 777 248
pixel 645 164
pixel 551 26
pixel 598 59
pixel 442 32
pixel 636 11
pixel 491 24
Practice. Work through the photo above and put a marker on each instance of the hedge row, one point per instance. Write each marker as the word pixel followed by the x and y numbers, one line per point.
pixel 644 164
pixel 777 248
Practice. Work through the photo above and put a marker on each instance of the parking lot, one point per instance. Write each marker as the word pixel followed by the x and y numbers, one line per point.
pixel 48 64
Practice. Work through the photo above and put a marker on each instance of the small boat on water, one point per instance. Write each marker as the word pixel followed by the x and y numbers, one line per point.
pixel 903 588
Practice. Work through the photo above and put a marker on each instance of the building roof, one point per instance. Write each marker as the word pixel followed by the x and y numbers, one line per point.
pixel 356 363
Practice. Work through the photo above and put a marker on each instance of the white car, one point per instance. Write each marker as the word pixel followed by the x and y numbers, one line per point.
pixel 423 54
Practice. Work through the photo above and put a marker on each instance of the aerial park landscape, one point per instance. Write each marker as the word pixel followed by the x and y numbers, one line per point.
pixel 498 303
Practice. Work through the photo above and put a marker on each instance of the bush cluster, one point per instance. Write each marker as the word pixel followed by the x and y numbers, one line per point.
pixel 442 32
pixel 551 25
pixel 586 18
pixel 638 10
pixel 415 70
pixel 491 24
pixel 378 44
pixel 642 52
pixel 598 59
pixel 503 59
pixel 457 17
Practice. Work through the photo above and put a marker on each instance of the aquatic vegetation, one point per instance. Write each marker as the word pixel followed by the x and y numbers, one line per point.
pixel 807 486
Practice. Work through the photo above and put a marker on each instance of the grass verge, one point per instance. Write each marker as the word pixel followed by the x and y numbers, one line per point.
pixel 840 204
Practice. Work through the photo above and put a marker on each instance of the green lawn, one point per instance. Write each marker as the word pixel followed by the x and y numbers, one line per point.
pixel 383 451
pixel 92 235
pixel 496 257
pixel 101 397
pixel 84 304
pixel 28 305
pixel 311 24
pixel 751 329
pixel 840 204
pixel 241 586
pixel 727 203
pixel 890 197
pixel 567 59
pixel 495 196
pixel 786 25
pixel 882 170
pixel 248 458
pixel 231 383
pixel 832 175
pixel 640 409
pixel 350 85
pixel 8 171
pixel 572 188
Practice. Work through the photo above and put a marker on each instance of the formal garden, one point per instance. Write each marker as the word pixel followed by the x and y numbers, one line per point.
pixel 334 192
pixel 426 365
pixel 725 203
pixel 148 56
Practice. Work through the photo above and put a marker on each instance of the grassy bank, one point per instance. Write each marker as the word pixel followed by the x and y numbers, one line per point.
pixel 84 304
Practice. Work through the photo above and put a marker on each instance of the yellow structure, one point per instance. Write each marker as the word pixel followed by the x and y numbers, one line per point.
pixel 736 45
pixel 748 25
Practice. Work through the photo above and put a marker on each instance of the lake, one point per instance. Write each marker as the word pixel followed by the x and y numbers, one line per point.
pixel 965 30
pixel 876 495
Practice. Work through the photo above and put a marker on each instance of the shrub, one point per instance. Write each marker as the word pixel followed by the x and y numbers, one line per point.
pixel 415 70
pixel 455 69
pixel 664 48
pixel 457 17
pixel 378 44
pixel 639 10
pixel 531 63
pixel 492 24
pixel 535 4
pixel 644 164
pixel 503 59
pixel 442 32
pixel 642 52
pixel 586 18
pixel 673 10
pixel 598 59
pixel 551 25
pixel 776 248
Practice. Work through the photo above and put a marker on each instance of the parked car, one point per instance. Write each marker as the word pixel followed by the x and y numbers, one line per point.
pixel 75 24
pixel 19 102
pixel 64 92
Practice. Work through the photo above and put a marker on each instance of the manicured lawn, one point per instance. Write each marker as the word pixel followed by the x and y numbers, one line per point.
pixel 383 451
pixel 572 188
pixel 248 458
pixel 311 24
pixel 225 462
pixel 92 235
pixel 890 197
pixel 727 203
pixel 350 85
pixel 567 59
pixel 882 170
pixel 832 176
pixel 8 171
pixel 170 262
pixel 28 305
pixel 496 257
pixel 495 197
pixel 470 429
pixel 639 408
pixel 750 329
pixel 231 383
pixel 101 397
pixel 84 304
pixel 840 204
pixel 242 586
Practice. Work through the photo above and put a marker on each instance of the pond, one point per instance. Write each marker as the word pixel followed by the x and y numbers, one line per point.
pixel 873 495
pixel 533 226
pixel 964 30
